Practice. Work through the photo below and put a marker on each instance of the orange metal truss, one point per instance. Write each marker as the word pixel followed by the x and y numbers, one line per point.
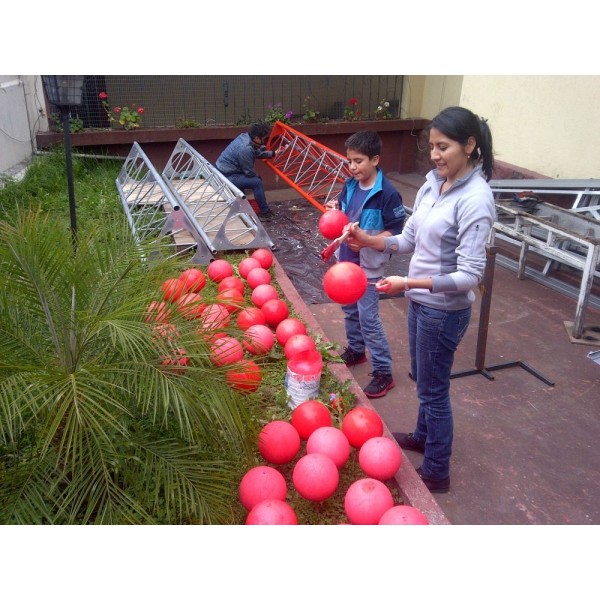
pixel 315 171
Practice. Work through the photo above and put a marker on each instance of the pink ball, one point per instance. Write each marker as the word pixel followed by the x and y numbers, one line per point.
pixel 264 257
pixel 300 342
pixel 226 351
pixel 403 515
pixel 261 483
pixel 258 339
pixel 380 458
pixel 309 416
pixel 246 265
pixel 287 328
pixel 272 512
pixel 262 293
pixel 331 442
pixel 315 477
pixel 258 276
pixel 278 442
pixel 366 500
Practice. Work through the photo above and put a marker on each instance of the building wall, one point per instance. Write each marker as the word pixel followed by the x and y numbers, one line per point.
pixel 544 124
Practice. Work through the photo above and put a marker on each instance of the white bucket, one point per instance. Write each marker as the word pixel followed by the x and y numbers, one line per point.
pixel 301 388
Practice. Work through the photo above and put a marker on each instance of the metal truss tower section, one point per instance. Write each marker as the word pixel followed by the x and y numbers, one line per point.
pixel 199 210
pixel 315 171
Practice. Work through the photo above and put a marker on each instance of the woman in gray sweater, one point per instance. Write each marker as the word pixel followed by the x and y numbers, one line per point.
pixel 447 235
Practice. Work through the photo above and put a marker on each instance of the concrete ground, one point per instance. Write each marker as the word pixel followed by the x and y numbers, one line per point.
pixel 525 451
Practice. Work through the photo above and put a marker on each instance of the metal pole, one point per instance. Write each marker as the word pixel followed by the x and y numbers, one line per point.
pixel 67 137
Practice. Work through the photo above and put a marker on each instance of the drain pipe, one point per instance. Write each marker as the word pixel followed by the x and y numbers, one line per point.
pixel 82 155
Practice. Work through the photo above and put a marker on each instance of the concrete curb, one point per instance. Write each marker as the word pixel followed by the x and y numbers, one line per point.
pixel 412 489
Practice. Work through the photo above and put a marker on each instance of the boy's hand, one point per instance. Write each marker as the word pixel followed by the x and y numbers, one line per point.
pixel 332 205
pixel 390 285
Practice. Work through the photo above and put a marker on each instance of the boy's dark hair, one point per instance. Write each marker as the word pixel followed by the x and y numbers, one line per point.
pixel 260 129
pixel 365 142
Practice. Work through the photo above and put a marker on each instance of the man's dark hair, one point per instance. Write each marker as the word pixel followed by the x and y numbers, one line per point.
pixel 365 142
pixel 259 129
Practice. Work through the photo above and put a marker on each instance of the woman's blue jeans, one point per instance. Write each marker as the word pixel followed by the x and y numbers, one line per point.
pixel 364 329
pixel 243 182
pixel 433 338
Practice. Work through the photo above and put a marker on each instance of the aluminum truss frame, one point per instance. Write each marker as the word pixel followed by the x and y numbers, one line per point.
pixel 315 171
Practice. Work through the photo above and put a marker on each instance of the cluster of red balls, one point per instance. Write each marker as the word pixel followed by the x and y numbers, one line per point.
pixel 367 501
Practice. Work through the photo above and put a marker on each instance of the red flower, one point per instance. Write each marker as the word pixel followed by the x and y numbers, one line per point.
pixel 103 95
pixel 140 111
pixel 117 109
pixel 352 101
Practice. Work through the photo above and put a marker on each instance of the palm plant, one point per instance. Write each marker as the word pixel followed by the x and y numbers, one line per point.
pixel 93 428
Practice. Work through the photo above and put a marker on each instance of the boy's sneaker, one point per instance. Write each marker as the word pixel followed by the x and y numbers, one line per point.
pixel 351 358
pixel 435 486
pixel 266 216
pixel 380 385
pixel 407 441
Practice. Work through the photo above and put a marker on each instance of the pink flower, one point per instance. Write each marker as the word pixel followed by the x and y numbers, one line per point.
pixel 117 109
pixel 103 95
pixel 140 111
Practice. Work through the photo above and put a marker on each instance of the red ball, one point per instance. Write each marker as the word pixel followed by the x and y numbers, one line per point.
pixel 190 305
pixel 261 483
pixel 218 269
pixel 214 316
pixel 297 343
pixel 232 299
pixel 158 312
pixel 345 283
pixel 258 277
pixel 403 515
pixel 275 311
pixel 332 222
pixel 272 512
pixel 331 442
pixel 232 282
pixel 361 424
pixel 287 328
pixel 309 416
pixel 172 288
pixel 258 339
pixel 366 501
pixel 278 442
pixel 264 257
pixel 315 477
pixel 262 293
pixel 246 376
pixel 193 280
pixel 251 315
pixel 380 458
pixel 246 265
pixel 226 351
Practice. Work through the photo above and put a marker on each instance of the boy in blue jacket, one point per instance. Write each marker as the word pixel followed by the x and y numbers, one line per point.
pixel 371 200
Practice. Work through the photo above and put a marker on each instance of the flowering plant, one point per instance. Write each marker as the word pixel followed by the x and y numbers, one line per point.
pixel 130 118
pixel 351 112
pixel 383 110
pixel 276 113
pixel 310 115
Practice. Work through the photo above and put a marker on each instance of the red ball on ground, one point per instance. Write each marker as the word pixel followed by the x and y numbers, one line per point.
pixel 251 315
pixel 287 328
pixel 258 339
pixel 214 316
pixel 218 269
pixel 315 477
pixel 261 483
pixel 193 280
pixel 226 351
pixel 246 265
pixel 380 458
pixel 275 311
pixel 345 282
pixel 258 277
pixel 232 299
pixel 264 257
pixel 245 376
pixel 190 305
pixel 172 288
pixel 366 501
pixel 309 416
pixel 360 425
pixel 331 442
pixel 332 222
pixel 232 282
pixel 403 515
pixel 300 342
pixel 158 312
pixel 272 512
pixel 278 442
pixel 263 293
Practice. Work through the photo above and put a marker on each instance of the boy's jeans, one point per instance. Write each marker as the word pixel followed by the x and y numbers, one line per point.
pixel 364 329
pixel 433 337
pixel 243 182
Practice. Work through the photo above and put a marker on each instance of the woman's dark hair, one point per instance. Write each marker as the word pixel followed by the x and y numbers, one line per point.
pixel 459 124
